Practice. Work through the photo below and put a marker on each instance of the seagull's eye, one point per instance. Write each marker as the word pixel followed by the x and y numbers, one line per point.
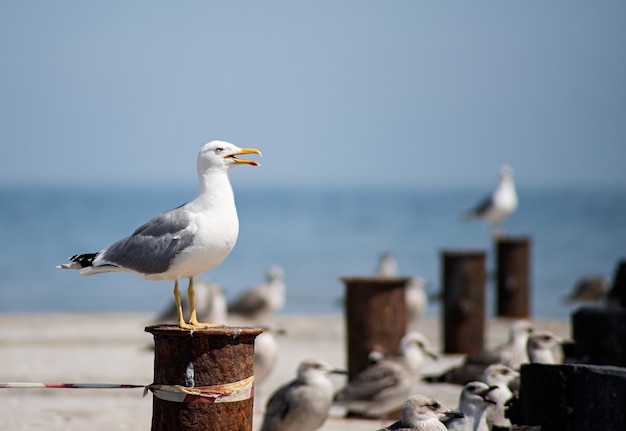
pixel 219 149
pixel 435 406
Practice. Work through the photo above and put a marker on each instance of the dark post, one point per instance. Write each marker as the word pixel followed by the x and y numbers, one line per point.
pixel 513 277
pixel 571 398
pixel 207 357
pixel 375 313
pixel 617 294
pixel 463 280
pixel 600 336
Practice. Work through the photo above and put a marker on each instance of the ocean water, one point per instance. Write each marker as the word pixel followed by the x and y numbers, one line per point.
pixel 316 235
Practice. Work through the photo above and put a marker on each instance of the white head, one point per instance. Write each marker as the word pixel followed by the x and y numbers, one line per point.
pixel 222 155
pixel 540 344
pixel 476 395
pixel 415 345
pixel 499 374
pixel 506 172
pixel 275 272
pixel 311 369
pixel 422 408
pixel 520 330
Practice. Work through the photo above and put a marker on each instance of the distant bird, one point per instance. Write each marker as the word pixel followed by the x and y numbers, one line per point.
pixel 387 266
pixel 183 242
pixel 415 291
pixel 473 403
pixel 416 300
pixel 591 288
pixel 210 302
pixel 501 376
pixel 540 344
pixel 261 301
pixel 502 202
pixel 384 385
pixel 423 413
pixel 304 403
pixel 266 352
pixel 512 353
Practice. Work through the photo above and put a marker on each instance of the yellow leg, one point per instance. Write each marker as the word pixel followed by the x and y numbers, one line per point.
pixel 179 307
pixel 193 320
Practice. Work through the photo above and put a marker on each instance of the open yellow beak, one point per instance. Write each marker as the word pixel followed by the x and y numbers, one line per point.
pixel 244 161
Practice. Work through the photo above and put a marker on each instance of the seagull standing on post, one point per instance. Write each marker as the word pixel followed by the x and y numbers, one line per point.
pixel 183 242
pixel 495 208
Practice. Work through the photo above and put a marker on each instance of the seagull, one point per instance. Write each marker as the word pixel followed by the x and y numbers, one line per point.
pixel 512 353
pixel 540 344
pixel 210 302
pixel 383 386
pixel 501 376
pixel 474 400
pixel 302 404
pixel 423 413
pixel 185 241
pixel 590 288
pixel 387 266
pixel 263 300
pixel 495 208
pixel 265 352
pixel 416 300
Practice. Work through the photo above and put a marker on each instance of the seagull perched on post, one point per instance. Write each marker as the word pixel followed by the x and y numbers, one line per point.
pixel 185 241
pixel 502 202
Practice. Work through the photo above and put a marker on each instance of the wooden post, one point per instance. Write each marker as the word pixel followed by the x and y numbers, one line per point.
pixel 463 281
pixel 513 277
pixel 570 398
pixel 617 294
pixel 207 357
pixel 375 312
pixel 600 336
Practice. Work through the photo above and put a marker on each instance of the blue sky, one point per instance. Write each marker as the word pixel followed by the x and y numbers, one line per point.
pixel 402 93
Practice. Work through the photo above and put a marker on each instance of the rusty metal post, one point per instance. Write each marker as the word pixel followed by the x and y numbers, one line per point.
pixel 513 277
pixel 617 294
pixel 375 312
pixel 463 281
pixel 205 357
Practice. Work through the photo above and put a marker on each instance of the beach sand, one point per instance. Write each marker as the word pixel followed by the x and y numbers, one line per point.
pixel 113 348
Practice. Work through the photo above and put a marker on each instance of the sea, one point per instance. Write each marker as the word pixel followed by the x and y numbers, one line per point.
pixel 316 234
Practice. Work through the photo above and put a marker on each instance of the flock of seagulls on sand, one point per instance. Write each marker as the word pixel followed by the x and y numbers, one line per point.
pixel 194 238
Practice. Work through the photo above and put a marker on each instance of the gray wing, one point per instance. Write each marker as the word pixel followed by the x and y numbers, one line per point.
pixel 372 381
pixel 151 248
pixel 482 207
pixel 278 407
pixel 248 303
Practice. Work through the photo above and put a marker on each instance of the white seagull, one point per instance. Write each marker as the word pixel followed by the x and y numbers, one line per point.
pixel 495 208
pixel 423 413
pixel 473 403
pixel 185 241
pixel 302 404
pixel 501 376
pixel 540 344
pixel 384 385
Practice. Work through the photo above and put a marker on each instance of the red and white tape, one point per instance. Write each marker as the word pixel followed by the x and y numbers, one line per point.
pixel 226 393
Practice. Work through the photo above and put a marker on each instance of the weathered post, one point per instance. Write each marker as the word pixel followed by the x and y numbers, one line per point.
pixel 600 336
pixel 463 280
pixel 617 294
pixel 570 398
pixel 220 361
pixel 375 313
pixel 513 277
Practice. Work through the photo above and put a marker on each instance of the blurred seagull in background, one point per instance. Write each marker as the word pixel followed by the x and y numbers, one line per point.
pixel 511 353
pixel 183 242
pixel 302 404
pixel 385 385
pixel 261 301
pixel 540 344
pixel 495 208
pixel 387 266
pixel 423 413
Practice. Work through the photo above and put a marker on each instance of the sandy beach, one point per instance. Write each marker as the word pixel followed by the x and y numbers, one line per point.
pixel 113 348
